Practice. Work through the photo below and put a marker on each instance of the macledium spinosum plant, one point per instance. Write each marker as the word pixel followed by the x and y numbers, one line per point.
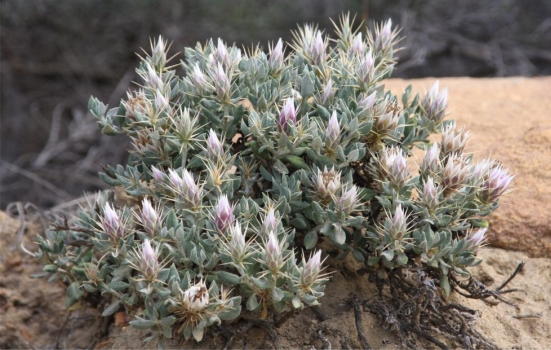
pixel 248 163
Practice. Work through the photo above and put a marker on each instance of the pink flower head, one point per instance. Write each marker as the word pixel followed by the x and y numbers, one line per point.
pixel 112 223
pixel 223 214
pixel 288 114
pixel 476 239
pixel 214 146
pixel 311 269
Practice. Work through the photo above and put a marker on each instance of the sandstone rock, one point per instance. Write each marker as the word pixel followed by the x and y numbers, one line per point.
pixel 510 120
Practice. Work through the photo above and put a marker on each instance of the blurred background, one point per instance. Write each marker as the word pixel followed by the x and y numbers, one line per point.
pixel 55 54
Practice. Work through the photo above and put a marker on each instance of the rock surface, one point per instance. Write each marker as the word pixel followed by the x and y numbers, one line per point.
pixel 509 120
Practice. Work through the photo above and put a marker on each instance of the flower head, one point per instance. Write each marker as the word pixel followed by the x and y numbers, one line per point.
pixel 159 53
pixel 272 253
pixel 430 194
pixel 348 201
pixel 392 167
pixel 453 140
pixel 158 175
pixel 311 270
pixel 476 239
pixel 333 132
pixel 327 183
pixel 237 243
pixel 434 103
pixel 112 223
pixel 454 174
pixel 358 47
pixel 196 297
pixel 494 184
pixel 198 79
pixel 270 222
pixel 288 115
pixel 431 162
pixel 328 92
pixel 149 263
pixel 149 217
pixel 223 214
pixel 214 146
pixel 222 82
pixel 276 60
pixel 398 224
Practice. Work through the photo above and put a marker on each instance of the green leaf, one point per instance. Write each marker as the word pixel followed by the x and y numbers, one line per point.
pixel 277 294
pixel 445 284
pixel 339 235
pixel 388 255
pixel 306 86
pixel 358 256
pixel 171 220
pixel 252 303
pixel 141 323
pixel 310 240
pixel 227 278
pixel 296 162
pixel 111 309
pixel 232 311
pixel 299 223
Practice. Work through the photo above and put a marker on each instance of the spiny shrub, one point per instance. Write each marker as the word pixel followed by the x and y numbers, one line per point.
pixel 250 160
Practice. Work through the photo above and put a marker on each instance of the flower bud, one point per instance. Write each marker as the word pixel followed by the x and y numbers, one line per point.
pixel 367 68
pixel 270 222
pixel 198 79
pixel 196 297
pixel 494 184
pixel 385 123
pixel 214 147
pixel 237 244
pixel 348 201
pixel 476 239
pixel 159 54
pixel 311 270
pixel 319 46
pixel 223 214
pixel 431 162
pixel 368 102
pixel 434 103
pixel 328 92
pixel 383 41
pixel 137 104
pixel 454 174
pixel 153 80
pixel 158 175
pixel 272 253
pixel 276 60
pixel 430 195
pixel 358 47
pixel 186 187
pixel 161 102
pixel 222 83
pixel 221 55
pixel 149 217
pixel 149 264
pixel 454 141
pixel 333 132
pixel 112 223
pixel 288 115
pixel 398 224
